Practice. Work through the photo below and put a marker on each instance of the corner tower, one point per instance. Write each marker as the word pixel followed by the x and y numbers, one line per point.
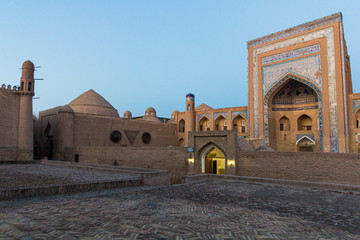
pixel 26 127
pixel 189 116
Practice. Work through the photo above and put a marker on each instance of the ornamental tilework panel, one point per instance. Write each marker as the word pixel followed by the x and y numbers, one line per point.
pixel 356 104
pixel 202 115
pixel 308 68
pixel 242 113
pixel 225 114
pixel 328 33
pixel 291 54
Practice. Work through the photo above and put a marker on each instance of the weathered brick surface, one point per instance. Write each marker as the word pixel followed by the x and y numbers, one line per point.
pixel 9 112
pixel 317 167
pixel 172 158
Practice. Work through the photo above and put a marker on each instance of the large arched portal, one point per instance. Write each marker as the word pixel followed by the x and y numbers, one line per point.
pixel 293 112
pixel 213 161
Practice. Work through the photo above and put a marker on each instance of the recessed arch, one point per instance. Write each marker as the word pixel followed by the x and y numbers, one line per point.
pixel 277 86
pixel 284 123
pixel 204 124
pixel 213 159
pixel 181 126
pixel 239 123
pixel 357 118
pixel 304 123
pixel 221 123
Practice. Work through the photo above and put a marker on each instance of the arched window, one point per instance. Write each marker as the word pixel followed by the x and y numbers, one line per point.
pixel 181 126
pixel 304 123
pixel 284 124
pixel 204 124
pixel 239 124
pixel 220 123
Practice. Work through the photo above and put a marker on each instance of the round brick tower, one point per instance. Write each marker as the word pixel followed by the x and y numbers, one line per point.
pixel 26 127
pixel 189 117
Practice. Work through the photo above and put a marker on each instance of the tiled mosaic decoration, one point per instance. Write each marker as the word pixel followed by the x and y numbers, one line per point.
pixel 274 88
pixel 356 104
pixel 242 113
pixel 311 136
pixel 328 33
pixel 291 54
pixel 308 68
pixel 294 108
pixel 224 114
pixel 202 115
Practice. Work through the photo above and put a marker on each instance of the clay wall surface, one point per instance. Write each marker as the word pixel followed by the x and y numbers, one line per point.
pixel 167 158
pixel 95 131
pixel 9 122
pixel 317 167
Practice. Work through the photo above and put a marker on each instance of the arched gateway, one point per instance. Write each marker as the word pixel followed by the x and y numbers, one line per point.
pixel 213 160
pixel 292 112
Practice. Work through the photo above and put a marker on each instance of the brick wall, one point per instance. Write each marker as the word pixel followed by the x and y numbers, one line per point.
pixel 319 167
pixel 172 159
pixel 9 122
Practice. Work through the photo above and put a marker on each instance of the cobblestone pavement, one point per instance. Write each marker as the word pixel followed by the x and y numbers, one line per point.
pixel 211 210
pixel 29 175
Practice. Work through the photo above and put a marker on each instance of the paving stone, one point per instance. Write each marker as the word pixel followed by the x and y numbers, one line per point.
pixel 209 210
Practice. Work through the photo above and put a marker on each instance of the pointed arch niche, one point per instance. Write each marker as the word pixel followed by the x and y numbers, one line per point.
pixel 220 123
pixel 292 108
pixel 204 124
pixel 213 160
pixel 240 124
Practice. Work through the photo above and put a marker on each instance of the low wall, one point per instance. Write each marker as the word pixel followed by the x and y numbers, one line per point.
pixel 8 154
pixel 316 167
pixel 9 194
pixel 172 159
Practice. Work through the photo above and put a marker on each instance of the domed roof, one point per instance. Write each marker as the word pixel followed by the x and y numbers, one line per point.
pixel 150 115
pixel 28 65
pixel 190 95
pixel 91 102
pixel 127 114
pixel 150 110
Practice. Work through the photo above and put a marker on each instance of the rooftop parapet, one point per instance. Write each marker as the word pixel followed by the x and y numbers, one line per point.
pixel 337 17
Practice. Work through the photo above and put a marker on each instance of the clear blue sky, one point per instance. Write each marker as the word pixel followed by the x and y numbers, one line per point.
pixel 138 54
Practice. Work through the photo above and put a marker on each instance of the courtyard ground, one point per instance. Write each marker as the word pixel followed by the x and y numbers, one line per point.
pixel 208 210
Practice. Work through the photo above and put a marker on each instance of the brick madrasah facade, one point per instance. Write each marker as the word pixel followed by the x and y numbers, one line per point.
pixel 300 99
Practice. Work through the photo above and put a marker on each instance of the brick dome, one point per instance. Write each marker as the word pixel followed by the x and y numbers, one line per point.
pixel 93 103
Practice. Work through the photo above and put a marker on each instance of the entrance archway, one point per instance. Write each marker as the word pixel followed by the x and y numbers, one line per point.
pixel 305 144
pixel 292 97
pixel 213 161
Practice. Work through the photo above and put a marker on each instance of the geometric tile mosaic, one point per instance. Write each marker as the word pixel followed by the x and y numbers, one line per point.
pixel 207 115
pixel 356 104
pixel 242 113
pixel 224 114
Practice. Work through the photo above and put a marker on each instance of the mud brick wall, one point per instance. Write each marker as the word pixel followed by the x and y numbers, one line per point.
pixel 167 158
pixel 9 122
pixel 317 167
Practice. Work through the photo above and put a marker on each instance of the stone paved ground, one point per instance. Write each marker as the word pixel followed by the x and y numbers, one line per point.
pixel 211 210
pixel 30 175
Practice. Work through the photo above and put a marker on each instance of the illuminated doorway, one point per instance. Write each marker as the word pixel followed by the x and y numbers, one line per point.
pixel 213 161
